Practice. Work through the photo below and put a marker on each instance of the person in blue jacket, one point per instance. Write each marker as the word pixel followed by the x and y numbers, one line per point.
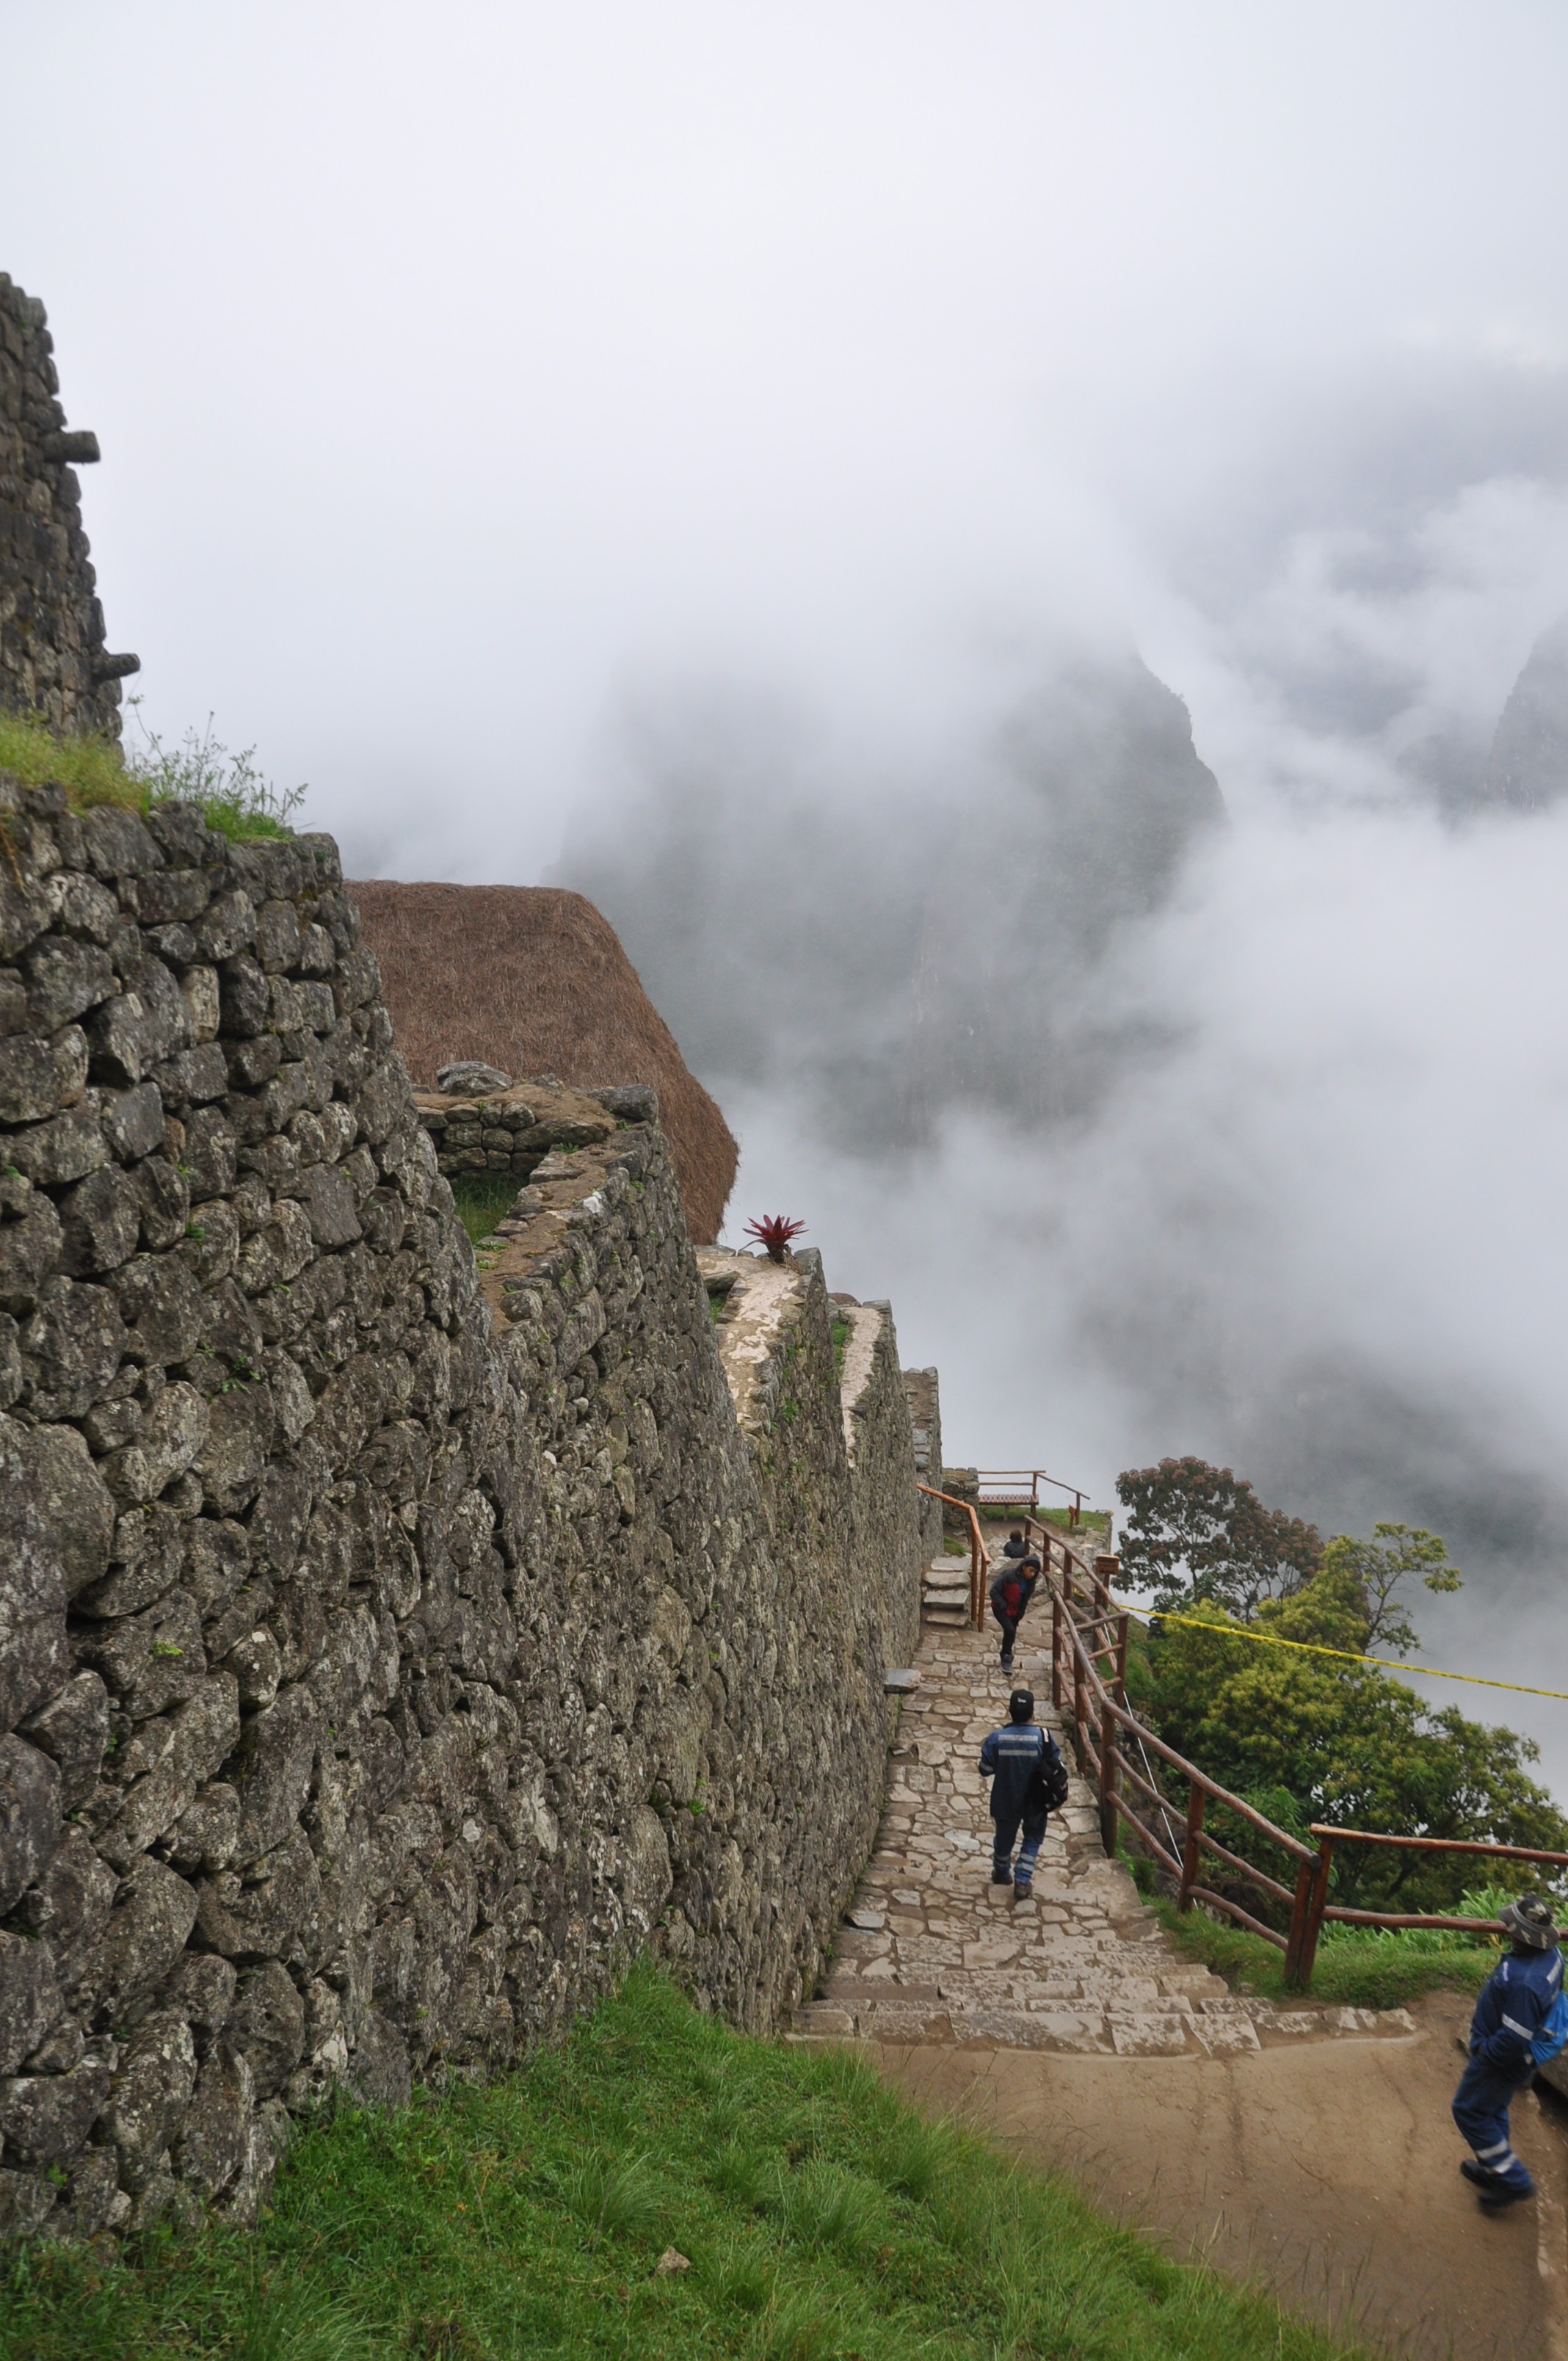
pixel 1518 2023
pixel 1022 1763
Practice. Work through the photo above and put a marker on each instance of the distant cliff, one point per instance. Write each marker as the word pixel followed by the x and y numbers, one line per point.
pixel 895 949
pixel 1528 766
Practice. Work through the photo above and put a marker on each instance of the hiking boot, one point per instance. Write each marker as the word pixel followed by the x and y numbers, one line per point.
pixel 1007 1663
pixel 1021 1888
pixel 1492 2190
pixel 1002 1877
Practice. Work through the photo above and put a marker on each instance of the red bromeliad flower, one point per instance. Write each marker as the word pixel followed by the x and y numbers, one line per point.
pixel 775 1231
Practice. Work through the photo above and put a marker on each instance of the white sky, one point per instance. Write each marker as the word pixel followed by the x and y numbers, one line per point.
pixel 454 366
pixel 462 372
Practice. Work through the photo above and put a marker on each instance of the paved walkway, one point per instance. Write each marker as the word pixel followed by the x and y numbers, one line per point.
pixel 1307 2145
pixel 933 1952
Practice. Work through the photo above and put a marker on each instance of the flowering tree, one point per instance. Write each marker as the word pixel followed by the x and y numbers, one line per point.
pixel 1198 1531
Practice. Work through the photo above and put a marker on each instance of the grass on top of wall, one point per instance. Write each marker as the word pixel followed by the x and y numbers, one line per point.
pixel 819 2217
pixel 235 797
pixel 483 1199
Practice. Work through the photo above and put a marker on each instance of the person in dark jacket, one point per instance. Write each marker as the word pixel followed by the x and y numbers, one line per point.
pixel 1508 2035
pixel 1009 1595
pixel 1018 1761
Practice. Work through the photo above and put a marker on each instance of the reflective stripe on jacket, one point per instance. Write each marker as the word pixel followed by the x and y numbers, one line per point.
pixel 1009 1759
pixel 1514 2002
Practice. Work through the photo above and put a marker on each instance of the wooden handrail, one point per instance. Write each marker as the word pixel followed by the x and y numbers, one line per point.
pixel 1440 1844
pixel 1035 1476
pixel 1099 1715
pixel 978 1559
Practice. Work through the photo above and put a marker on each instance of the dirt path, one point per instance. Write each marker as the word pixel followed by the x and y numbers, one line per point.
pixel 1309 2148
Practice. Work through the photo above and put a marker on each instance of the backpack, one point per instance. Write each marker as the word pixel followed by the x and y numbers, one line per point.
pixel 1554 2033
pixel 1050 1788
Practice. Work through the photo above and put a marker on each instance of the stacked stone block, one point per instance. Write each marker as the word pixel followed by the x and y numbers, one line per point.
pixel 923 1392
pixel 388 1646
pixel 52 657
pixel 513 1131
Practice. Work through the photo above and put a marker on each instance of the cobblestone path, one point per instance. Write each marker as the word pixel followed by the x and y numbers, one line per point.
pixel 932 1952
pixel 1307 2148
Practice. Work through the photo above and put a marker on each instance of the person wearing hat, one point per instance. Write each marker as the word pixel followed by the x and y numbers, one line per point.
pixel 1028 1782
pixel 1521 2021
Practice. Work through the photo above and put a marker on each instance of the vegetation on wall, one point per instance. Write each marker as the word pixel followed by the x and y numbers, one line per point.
pixel 238 799
pixel 483 1199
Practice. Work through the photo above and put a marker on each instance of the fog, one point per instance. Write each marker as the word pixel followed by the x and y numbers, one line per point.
pixel 739 464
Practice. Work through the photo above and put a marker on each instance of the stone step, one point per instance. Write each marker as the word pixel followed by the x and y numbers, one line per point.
pixel 935 1954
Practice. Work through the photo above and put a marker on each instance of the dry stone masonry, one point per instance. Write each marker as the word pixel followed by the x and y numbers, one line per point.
pixel 511 1130
pixel 393 1639
pixel 923 1394
pixel 52 656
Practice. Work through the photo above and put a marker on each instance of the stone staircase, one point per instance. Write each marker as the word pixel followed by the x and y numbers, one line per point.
pixel 945 1596
pixel 932 1952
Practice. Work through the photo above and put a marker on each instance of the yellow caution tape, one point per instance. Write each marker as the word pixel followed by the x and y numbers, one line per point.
pixel 1345 1655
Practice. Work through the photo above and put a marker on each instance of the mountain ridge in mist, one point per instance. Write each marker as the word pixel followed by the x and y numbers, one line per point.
pixel 887 952
pixel 1527 769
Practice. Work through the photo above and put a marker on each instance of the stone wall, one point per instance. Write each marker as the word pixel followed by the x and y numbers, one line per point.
pixel 52 657
pixel 510 1133
pixel 885 1507
pixel 393 1639
pixel 923 1393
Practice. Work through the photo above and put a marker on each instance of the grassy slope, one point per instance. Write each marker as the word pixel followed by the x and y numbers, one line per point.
pixel 821 2216
pixel 1355 1970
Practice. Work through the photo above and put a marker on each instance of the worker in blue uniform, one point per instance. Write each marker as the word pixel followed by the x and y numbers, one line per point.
pixel 1521 2021
pixel 1028 1782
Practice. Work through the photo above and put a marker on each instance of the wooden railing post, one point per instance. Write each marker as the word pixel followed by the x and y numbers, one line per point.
pixel 1055 1648
pixel 1121 1623
pixel 1190 1852
pixel 1306 1917
pixel 1079 1700
pixel 1108 1780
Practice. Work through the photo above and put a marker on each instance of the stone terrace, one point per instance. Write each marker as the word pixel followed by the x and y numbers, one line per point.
pixel 932 1952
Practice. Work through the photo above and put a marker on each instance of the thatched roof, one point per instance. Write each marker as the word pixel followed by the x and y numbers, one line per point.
pixel 534 981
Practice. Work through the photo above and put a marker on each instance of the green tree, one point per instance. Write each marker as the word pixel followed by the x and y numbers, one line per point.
pixel 1349 1745
pixel 1201 1532
pixel 1382 1566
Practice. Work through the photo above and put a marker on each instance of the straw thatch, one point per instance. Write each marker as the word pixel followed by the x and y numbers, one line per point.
pixel 534 981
